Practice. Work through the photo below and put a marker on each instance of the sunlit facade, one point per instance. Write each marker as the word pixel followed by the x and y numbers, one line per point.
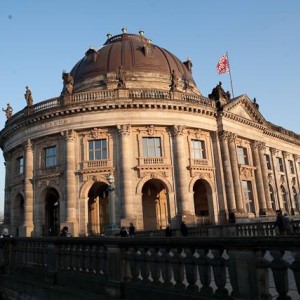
pixel 132 111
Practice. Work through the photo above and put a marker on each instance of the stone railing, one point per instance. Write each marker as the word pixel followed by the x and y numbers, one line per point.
pixel 151 268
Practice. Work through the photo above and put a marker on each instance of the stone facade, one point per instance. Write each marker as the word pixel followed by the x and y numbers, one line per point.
pixel 174 154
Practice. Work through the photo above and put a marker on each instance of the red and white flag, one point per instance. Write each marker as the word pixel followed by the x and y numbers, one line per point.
pixel 223 65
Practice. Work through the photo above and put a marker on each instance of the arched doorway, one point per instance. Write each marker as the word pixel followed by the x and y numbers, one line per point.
pixel 155 205
pixel 201 201
pixel 98 211
pixel 52 220
pixel 18 213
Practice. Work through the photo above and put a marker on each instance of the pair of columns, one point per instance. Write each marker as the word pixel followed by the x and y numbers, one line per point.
pixel 233 186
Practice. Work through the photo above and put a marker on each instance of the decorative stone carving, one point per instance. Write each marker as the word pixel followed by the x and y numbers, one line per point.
pixel 124 129
pixel 69 134
pixel 151 130
pixel 178 129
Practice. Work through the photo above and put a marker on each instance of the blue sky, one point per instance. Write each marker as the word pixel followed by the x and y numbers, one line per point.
pixel 39 39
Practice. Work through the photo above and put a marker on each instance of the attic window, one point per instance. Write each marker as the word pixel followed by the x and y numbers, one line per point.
pixel 91 55
pixel 148 49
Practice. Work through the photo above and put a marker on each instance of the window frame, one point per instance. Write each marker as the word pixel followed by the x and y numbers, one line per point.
pixel 103 149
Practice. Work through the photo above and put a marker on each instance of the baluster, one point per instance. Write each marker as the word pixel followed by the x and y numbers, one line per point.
pixel 219 270
pixel 102 256
pixel 94 260
pixel 133 263
pixel 144 266
pixel 263 280
pixel 68 257
pixel 154 266
pixel 87 258
pixel 279 268
pixel 204 269
pixel 190 269
pixel 166 268
pixel 178 268
pixel 80 258
pixel 295 266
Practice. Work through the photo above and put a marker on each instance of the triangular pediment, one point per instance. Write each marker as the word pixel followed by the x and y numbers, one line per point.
pixel 245 108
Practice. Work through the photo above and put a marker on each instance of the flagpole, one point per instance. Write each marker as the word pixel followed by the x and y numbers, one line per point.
pixel 230 74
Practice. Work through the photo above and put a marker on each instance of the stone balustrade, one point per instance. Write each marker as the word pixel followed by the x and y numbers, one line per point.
pixel 256 267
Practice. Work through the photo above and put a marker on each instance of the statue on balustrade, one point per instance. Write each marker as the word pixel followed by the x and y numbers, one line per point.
pixel 28 97
pixel 8 111
pixel 68 84
pixel 219 93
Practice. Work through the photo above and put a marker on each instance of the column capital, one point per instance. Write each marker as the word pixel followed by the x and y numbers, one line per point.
pixel 69 134
pixel 258 144
pixel 227 135
pixel 285 154
pixel 27 145
pixel 273 151
pixel 296 157
pixel 124 129
pixel 178 129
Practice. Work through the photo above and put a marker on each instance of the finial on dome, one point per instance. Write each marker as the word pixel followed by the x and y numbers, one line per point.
pixel 109 35
pixel 124 30
pixel 141 32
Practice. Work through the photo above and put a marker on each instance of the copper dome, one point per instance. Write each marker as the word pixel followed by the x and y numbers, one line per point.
pixel 142 62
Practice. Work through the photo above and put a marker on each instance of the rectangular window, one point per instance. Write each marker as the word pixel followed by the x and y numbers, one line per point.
pixel 268 162
pixel 20 165
pixel 198 149
pixel 50 157
pixel 242 155
pixel 152 147
pixel 280 164
pixel 292 167
pixel 248 196
pixel 98 149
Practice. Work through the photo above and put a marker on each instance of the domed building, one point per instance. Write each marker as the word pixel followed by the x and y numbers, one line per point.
pixel 132 139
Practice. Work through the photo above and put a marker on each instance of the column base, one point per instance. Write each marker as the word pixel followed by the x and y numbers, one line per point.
pixel 72 227
pixel 112 230
pixel 26 231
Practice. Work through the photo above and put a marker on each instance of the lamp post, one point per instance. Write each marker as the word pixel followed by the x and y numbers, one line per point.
pixel 112 227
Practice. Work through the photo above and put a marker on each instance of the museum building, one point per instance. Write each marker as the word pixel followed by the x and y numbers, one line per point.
pixel 132 139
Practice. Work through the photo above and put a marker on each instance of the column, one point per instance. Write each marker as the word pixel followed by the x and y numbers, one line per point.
pixel 261 153
pixel 259 178
pixel 68 215
pixel 276 179
pixel 180 166
pixel 219 173
pixel 7 202
pixel 288 181
pixel 223 136
pixel 125 172
pixel 297 173
pixel 27 227
pixel 235 172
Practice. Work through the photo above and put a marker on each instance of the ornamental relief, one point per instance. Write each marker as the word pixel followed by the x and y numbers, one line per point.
pixel 97 133
pixel 152 130
pixel 246 172
pixel 202 175
pixel 156 174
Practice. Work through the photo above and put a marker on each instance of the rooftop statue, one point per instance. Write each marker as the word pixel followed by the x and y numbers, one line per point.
pixel 68 84
pixel 219 93
pixel 28 97
pixel 121 77
pixel 8 111
pixel 173 84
